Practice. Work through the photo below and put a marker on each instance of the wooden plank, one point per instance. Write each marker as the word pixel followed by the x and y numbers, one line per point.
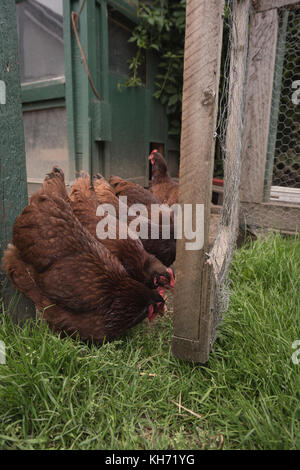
pixel 281 194
pixel 204 27
pixel 13 185
pixel 261 66
pixel 265 5
pixel 277 216
pixel 283 189
pixel 43 90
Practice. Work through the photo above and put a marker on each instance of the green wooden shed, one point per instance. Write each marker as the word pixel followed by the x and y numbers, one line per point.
pixel 65 122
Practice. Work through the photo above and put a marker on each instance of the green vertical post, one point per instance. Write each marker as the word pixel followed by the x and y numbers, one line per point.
pixel 84 110
pixel 277 85
pixel 78 93
pixel 69 88
pixel 13 182
pixel 104 157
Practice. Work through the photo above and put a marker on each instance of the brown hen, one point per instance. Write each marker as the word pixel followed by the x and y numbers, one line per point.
pixel 140 265
pixel 163 187
pixel 78 284
pixel 163 248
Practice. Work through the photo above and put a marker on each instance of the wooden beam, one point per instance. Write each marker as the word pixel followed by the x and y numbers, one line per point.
pixel 261 67
pixel 278 216
pixel 13 184
pixel 204 28
pixel 282 194
pixel 265 5
pixel 43 90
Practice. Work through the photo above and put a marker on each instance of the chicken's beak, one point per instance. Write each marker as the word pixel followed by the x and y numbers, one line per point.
pixel 168 283
pixel 161 307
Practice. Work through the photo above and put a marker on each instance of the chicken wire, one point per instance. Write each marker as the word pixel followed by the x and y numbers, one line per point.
pixel 225 241
pixel 283 158
pixel 283 163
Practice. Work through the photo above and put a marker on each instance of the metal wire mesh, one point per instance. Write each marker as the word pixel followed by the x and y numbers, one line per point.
pixel 283 160
pixel 225 242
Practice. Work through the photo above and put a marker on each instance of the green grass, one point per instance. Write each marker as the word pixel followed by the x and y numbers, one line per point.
pixel 61 394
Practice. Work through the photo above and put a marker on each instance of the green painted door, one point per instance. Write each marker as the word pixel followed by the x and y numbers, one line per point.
pixel 113 136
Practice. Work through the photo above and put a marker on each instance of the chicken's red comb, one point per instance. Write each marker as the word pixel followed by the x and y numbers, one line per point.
pixel 152 154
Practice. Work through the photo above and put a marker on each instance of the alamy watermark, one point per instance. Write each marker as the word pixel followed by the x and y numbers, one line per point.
pixel 296 354
pixel 2 353
pixel 163 222
pixel 296 94
pixel 2 92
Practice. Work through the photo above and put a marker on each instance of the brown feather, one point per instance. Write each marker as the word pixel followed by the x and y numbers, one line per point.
pixel 139 264
pixel 164 250
pixel 163 187
pixel 78 284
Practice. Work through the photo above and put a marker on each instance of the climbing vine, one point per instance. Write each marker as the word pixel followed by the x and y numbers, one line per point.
pixel 162 29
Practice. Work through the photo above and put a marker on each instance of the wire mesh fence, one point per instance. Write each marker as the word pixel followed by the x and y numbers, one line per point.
pixel 249 137
pixel 283 159
pixel 229 142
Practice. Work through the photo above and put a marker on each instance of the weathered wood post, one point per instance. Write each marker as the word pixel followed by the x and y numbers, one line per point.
pixel 201 276
pixel 204 28
pixel 258 149
pixel 13 182
pixel 261 65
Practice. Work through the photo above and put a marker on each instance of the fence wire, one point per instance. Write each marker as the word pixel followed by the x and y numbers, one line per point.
pixel 283 159
pixel 225 242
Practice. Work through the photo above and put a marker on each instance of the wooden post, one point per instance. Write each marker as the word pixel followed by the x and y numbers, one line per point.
pixel 204 28
pixel 13 184
pixel 256 171
pixel 265 5
pixel 261 67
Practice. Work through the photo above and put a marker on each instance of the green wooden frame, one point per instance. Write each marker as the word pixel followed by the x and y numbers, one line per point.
pixel 43 90
pixel 89 121
pixel 36 95
pixel 13 184
pixel 124 8
pixel 90 129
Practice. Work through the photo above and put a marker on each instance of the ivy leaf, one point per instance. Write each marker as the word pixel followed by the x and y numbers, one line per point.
pixel 171 90
pixel 162 28
pixel 154 46
pixel 173 100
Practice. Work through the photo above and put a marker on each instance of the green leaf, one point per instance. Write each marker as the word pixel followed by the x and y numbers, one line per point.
pixel 173 100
